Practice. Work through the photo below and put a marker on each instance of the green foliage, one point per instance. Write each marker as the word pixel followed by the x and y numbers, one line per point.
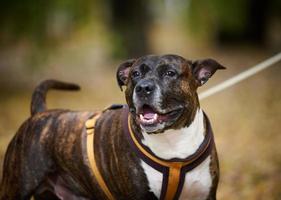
pixel 231 14
pixel 200 18
pixel 205 16
pixel 34 19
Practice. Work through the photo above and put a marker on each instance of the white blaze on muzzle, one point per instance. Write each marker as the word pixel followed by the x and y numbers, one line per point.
pixel 153 100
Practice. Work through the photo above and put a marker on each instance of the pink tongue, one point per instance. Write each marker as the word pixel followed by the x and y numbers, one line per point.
pixel 148 113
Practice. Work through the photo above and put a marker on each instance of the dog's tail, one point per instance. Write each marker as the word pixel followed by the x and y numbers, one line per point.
pixel 38 101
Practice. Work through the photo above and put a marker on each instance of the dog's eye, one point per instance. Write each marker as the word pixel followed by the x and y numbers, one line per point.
pixel 170 73
pixel 136 74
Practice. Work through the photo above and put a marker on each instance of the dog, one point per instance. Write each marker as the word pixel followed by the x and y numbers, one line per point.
pixel 158 146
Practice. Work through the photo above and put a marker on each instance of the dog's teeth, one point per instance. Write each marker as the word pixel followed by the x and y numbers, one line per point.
pixel 149 121
pixel 155 117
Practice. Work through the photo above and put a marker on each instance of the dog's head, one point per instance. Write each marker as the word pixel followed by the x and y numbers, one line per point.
pixel 161 91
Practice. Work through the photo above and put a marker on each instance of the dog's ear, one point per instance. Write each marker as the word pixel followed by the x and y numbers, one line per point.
pixel 123 72
pixel 204 69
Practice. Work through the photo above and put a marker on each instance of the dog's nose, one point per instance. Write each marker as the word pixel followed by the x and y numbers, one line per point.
pixel 145 87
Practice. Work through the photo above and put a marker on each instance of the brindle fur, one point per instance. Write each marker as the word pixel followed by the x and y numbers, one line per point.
pixel 47 157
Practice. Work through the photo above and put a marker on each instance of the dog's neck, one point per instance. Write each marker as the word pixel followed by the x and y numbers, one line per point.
pixel 179 143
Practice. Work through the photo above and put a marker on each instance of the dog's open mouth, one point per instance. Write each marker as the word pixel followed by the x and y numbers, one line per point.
pixel 148 116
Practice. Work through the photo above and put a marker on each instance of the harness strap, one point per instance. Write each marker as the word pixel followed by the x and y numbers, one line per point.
pixel 173 170
pixel 90 125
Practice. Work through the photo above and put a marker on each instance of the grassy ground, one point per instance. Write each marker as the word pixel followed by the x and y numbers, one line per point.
pixel 246 118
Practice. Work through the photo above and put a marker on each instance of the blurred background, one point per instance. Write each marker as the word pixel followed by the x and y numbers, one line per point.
pixel 84 41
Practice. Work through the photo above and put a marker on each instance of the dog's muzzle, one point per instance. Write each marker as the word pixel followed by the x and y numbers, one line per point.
pixel 147 108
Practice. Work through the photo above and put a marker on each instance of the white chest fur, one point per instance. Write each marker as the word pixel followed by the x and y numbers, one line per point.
pixel 180 144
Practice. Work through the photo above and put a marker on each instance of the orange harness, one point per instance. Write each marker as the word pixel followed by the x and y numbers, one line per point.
pixel 90 125
pixel 173 170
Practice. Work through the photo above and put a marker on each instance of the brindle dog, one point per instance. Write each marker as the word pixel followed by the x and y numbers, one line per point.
pixel 47 158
